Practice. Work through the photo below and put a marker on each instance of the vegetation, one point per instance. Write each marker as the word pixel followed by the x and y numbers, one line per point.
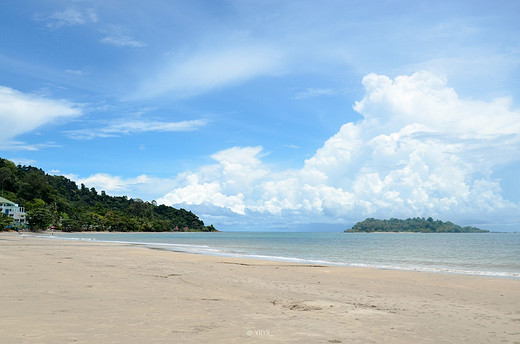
pixel 57 201
pixel 416 224
pixel 5 221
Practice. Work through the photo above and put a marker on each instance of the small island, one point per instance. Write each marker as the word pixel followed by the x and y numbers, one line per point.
pixel 414 225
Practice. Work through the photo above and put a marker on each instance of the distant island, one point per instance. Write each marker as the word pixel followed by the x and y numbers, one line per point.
pixel 415 225
pixel 56 202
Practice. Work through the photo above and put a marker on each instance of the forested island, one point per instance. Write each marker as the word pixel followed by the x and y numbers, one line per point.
pixel 56 201
pixel 415 225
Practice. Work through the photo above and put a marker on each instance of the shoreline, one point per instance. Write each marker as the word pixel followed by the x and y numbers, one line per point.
pixel 190 248
pixel 59 291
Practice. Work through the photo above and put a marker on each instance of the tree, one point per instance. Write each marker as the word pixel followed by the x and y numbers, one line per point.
pixel 34 185
pixel 35 204
pixel 5 221
pixel 7 177
pixel 56 200
pixel 40 218
pixel 411 225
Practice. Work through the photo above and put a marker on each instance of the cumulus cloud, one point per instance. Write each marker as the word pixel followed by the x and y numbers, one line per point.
pixel 130 126
pixel 419 150
pixel 223 184
pixel 21 112
pixel 207 70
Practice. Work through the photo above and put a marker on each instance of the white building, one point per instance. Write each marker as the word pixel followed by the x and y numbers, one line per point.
pixel 12 210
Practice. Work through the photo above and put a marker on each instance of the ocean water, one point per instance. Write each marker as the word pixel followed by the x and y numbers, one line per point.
pixel 486 254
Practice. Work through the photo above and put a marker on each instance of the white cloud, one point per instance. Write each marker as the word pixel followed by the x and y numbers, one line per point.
pixel 24 146
pixel 314 92
pixel 209 70
pixel 130 126
pixel 419 151
pixel 120 37
pixel 68 17
pixel 143 186
pixel 77 72
pixel 114 184
pixel 122 41
pixel 22 161
pixel 425 99
pixel 210 193
pixel 22 112
pixel 223 184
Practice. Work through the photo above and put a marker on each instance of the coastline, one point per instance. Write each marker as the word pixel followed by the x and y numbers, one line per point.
pixel 260 246
pixel 61 291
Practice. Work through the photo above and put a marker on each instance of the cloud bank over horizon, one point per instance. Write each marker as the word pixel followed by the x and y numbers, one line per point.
pixel 419 150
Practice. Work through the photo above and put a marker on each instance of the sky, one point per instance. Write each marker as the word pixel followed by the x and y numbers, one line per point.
pixel 261 115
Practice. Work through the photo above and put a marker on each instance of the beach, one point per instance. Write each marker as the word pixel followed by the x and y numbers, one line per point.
pixel 63 291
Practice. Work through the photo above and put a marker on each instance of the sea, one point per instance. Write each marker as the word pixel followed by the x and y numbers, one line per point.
pixel 484 254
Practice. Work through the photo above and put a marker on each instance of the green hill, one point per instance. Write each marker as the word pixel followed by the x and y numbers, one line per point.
pixel 57 201
pixel 417 225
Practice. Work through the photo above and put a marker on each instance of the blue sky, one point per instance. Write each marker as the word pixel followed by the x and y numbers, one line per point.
pixel 272 114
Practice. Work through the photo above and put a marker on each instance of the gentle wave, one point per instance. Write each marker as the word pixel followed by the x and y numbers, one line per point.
pixel 123 242
pixel 373 266
pixel 238 251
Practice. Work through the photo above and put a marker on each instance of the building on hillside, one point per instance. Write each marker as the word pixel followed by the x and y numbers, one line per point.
pixel 12 209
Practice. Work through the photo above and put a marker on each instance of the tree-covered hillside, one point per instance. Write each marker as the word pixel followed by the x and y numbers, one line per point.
pixel 416 224
pixel 57 201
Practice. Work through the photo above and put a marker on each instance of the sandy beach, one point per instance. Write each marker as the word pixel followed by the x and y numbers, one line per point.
pixel 57 291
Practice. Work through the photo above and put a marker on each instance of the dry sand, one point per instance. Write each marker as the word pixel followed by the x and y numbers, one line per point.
pixel 55 291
